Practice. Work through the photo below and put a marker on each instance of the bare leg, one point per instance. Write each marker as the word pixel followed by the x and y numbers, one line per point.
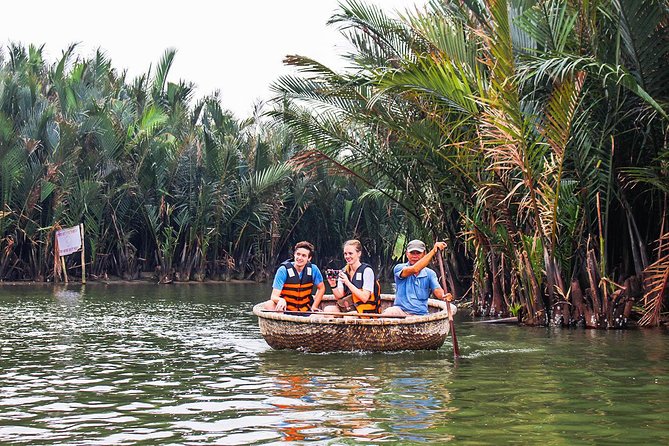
pixel 395 311
pixel 328 309
pixel 331 309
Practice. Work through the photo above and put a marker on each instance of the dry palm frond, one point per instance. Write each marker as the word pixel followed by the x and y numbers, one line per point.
pixel 656 285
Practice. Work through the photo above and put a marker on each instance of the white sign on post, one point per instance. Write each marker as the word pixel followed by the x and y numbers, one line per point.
pixel 69 240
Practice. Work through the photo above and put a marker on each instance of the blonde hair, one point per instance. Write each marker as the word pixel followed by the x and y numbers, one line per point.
pixel 358 247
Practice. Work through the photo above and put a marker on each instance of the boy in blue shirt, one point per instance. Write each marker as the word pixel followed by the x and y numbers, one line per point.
pixel 294 282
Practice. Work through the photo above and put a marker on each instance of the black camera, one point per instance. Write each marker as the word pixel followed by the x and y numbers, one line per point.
pixel 332 274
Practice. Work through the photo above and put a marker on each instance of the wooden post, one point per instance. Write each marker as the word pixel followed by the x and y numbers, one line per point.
pixel 83 255
pixel 62 261
pixel 55 258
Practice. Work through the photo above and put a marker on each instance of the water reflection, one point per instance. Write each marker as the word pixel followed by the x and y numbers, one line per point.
pixel 360 397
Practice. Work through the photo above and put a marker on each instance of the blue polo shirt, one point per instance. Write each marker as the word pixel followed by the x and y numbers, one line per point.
pixel 412 293
pixel 282 274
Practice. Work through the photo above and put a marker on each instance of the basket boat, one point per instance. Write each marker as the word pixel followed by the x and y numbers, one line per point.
pixel 329 334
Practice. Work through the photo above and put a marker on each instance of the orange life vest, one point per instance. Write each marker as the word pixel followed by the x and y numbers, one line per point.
pixel 372 304
pixel 297 290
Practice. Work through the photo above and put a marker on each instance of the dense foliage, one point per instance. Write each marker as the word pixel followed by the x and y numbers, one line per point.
pixel 531 134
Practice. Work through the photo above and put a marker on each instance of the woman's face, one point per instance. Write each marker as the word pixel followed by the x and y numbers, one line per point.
pixel 350 254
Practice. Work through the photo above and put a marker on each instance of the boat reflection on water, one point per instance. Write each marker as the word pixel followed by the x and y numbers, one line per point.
pixel 358 397
pixel 292 391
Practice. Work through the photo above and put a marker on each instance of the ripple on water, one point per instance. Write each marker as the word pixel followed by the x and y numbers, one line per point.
pixel 133 436
pixel 231 424
pixel 210 406
pixel 498 351
pixel 26 400
pixel 17 433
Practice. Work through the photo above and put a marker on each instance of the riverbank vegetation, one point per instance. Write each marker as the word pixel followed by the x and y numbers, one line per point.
pixel 163 183
pixel 531 135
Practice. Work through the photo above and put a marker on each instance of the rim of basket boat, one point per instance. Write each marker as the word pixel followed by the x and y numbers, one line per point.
pixel 331 320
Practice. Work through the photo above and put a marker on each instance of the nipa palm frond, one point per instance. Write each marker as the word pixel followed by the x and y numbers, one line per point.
pixel 379 40
pixel 645 41
pixel 656 284
pixel 559 117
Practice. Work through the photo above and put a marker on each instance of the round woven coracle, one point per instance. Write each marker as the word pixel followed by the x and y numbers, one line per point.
pixel 329 334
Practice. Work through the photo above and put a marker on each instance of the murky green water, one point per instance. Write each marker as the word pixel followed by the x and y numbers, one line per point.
pixel 185 364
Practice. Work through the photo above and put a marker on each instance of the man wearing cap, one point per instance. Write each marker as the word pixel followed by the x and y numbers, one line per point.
pixel 415 282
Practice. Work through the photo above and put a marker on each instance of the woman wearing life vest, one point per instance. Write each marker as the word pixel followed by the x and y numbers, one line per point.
pixel 356 284
pixel 294 281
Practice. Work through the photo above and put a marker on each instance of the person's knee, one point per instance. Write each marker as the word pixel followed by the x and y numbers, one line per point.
pixel 270 305
pixel 331 309
pixel 393 311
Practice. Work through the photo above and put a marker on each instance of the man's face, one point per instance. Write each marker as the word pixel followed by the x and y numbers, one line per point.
pixel 415 256
pixel 302 256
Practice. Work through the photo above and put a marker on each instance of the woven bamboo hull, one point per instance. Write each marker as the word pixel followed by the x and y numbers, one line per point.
pixel 330 334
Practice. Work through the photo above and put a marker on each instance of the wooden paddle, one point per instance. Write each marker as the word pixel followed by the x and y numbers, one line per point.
pixel 323 313
pixel 456 350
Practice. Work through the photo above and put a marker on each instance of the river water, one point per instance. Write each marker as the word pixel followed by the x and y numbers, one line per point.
pixel 185 364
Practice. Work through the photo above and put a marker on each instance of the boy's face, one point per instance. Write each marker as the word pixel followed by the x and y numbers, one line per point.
pixel 302 256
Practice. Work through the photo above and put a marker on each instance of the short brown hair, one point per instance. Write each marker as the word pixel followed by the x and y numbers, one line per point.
pixel 306 245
